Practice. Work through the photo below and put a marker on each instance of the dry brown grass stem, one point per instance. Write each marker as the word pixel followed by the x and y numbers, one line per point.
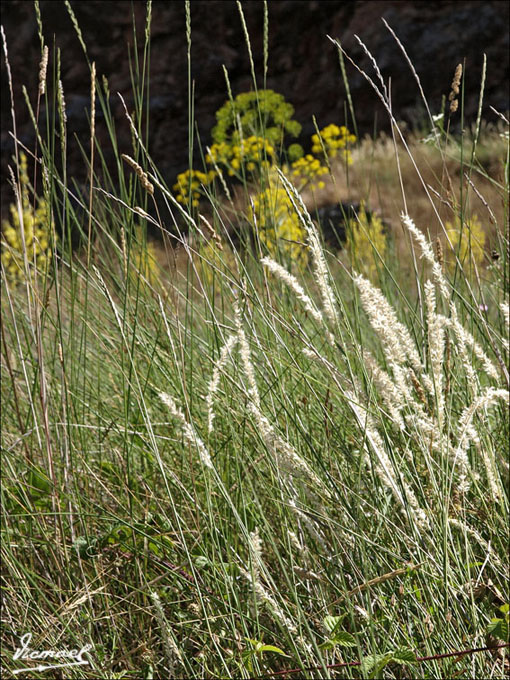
pixel 16 153
pixel 375 67
pixel 149 188
pixel 395 126
pixel 213 232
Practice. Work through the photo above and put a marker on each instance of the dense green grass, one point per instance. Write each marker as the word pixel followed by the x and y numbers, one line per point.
pixel 333 484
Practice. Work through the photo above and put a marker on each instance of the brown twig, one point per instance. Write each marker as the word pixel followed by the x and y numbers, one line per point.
pixel 419 659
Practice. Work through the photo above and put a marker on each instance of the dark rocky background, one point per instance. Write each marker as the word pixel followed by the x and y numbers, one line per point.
pixel 303 63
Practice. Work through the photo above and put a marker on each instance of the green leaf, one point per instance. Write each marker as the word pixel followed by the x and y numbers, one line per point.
pixel 341 639
pixel 159 547
pixel 201 562
pixel 404 656
pixel 253 643
pixel 499 629
pixel 344 639
pixel 271 648
pixel 331 622
pixel 86 547
pixel 505 608
pixel 259 648
pixel 39 482
pixel 326 646
pixel 375 662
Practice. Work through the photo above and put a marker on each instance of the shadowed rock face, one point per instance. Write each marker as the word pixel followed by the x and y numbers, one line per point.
pixel 303 63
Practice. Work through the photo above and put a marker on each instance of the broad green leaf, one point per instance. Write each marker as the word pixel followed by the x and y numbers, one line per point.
pixel 159 547
pixel 270 648
pixel 329 644
pixel 86 547
pixel 404 656
pixel 39 483
pixel 331 622
pixel 499 629
pixel 256 644
pixel 344 639
pixel 375 663
pixel 201 562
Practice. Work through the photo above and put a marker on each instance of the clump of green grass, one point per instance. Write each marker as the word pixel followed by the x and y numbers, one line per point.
pixel 217 464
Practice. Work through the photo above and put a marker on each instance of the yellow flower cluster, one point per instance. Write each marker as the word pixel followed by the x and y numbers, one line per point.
pixel 308 169
pixel 278 226
pixel 334 139
pixel 36 228
pixel 252 152
pixel 468 242
pixel 364 239
pixel 190 182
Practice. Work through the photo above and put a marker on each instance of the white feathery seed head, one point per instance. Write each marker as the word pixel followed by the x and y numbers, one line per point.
pixel 392 395
pixel 320 268
pixel 187 430
pixel 296 287
pixel 428 253
pixel 462 526
pixel 395 337
pixel 244 351
pixel 265 598
pixel 467 433
pixel 383 466
pixel 172 652
pixel 215 379
pixel 465 340
pixel 314 530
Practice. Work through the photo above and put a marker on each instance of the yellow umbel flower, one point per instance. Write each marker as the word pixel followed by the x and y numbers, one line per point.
pixel 34 229
pixel 366 242
pixel 254 153
pixel 334 140
pixel 220 153
pixel 191 182
pixel 278 226
pixel 468 241
pixel 307 170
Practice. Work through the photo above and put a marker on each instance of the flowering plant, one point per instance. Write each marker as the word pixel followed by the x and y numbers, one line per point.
pixel 278 225
pixel 333 139
pixel 262 113
pixel 29 231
